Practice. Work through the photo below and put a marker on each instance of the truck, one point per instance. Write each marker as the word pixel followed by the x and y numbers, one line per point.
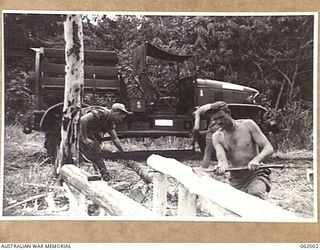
pixel 163 107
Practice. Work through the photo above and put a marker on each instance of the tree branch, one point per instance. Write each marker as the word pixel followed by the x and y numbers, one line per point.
pixel 284 75
pixel 307 43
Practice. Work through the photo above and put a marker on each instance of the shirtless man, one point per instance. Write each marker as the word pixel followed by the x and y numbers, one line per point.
pixel 237 143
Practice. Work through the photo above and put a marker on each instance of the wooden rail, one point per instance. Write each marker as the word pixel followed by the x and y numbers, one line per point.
pixel 214 194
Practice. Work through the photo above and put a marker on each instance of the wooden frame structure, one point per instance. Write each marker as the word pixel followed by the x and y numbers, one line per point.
pixel 197 191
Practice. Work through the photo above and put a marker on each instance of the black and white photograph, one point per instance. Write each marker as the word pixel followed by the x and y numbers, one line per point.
pixel 159 116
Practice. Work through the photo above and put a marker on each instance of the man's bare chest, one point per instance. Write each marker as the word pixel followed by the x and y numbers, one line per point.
pixel 238 139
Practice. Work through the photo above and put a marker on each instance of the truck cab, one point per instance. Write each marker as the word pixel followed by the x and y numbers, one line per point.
pixel 166 109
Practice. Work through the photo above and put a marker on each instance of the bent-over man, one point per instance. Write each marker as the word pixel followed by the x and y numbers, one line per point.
pixel 94 121
pixel 241 143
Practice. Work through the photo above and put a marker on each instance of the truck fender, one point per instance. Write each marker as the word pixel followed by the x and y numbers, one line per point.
pixel 51 116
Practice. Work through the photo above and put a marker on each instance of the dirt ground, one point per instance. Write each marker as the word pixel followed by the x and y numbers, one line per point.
pixel 28 173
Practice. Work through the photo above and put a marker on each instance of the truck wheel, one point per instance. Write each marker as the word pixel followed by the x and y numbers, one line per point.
pixel 52 142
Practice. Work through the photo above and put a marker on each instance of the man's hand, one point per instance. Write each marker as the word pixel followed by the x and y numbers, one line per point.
pixel 253 165
pixel 219 170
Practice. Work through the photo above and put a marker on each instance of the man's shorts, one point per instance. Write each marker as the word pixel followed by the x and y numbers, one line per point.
pixel 243 178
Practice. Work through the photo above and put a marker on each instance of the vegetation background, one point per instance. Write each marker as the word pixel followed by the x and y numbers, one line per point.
pixel 273 54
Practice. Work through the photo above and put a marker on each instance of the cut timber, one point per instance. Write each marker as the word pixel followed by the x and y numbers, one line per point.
pixel 142 170
pixel 214 209
pixel 243 204
pixel 113 202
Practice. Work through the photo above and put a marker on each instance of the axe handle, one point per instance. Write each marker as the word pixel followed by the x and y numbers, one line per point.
pixel 281 166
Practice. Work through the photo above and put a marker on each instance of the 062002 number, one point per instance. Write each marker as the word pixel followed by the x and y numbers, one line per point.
pixel 309 246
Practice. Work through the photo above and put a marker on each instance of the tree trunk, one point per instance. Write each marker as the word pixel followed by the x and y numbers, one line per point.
pixel 74 83
pixel 280 94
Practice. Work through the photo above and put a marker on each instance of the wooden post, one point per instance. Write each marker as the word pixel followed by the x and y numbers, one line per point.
pixel 77 201
pixel 37 87
pixel 186 202
pixel 74 84
pixel 160 193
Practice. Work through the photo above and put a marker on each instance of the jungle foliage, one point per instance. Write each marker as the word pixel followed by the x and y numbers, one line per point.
pixel 273 54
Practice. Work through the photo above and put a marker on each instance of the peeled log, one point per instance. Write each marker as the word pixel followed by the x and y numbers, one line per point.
pixel 142 170
pixel 241 203
pixel 113 202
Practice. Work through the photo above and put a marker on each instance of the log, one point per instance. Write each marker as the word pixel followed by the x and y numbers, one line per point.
pixel 241 203
pixel 213 209
pixel 113 202
pixel 142 170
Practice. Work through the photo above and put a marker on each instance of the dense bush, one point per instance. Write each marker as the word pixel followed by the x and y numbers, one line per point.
pixel 270 53
pixel 19 95
pixel 296 123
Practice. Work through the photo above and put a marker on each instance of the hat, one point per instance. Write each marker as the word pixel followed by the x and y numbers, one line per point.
pixel 219 105
pixel 121 107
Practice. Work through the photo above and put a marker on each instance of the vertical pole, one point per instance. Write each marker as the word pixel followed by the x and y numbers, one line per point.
pixel 186 202
pixel 37 95
pixel 160 193
pixel 74 84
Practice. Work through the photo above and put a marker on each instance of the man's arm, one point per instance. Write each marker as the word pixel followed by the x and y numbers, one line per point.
pixel 196 126
pixel 84 121
pixel 201 110
pixel 115 139
pixel 220 153
pixel 263 143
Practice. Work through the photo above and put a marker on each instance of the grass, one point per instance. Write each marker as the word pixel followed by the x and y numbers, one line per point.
pixel 26 167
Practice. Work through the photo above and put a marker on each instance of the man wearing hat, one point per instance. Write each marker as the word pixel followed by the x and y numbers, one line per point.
pixel 241 143
pixel 96 120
